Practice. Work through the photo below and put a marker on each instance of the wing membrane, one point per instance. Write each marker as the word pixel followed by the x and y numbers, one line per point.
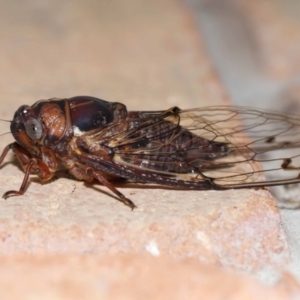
pixel 228 146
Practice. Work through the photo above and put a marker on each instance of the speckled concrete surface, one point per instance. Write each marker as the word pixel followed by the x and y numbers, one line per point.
pixel 148 55
pixel 237 230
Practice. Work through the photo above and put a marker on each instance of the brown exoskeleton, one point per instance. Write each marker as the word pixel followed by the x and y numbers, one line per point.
pixel 204 148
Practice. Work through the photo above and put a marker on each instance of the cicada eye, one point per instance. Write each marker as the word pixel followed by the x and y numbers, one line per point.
pixel 34 129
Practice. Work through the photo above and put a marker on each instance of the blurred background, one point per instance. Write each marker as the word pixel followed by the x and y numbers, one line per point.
pixel 136 51
pixel 254 46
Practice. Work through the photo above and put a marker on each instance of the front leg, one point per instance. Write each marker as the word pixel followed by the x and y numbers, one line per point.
pixel 29 165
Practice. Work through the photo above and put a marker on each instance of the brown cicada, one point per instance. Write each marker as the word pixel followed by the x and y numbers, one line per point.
pixel 203 148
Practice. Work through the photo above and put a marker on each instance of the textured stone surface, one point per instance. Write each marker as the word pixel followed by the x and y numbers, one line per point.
pixel 239 230
pixel 149 56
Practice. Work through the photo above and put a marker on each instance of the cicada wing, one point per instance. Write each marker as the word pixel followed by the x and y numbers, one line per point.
pixel 228 146
pixel 261 141
pixel 224 125
pixel 190 144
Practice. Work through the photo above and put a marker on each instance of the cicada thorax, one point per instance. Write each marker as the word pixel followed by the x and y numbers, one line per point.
pixel 52 123
pixel 88 113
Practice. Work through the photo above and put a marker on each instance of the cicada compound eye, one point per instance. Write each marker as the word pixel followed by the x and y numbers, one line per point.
pixel 33 129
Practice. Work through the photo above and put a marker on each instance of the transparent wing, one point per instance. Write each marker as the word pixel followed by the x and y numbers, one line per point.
pixel 261 143
pixel 228 146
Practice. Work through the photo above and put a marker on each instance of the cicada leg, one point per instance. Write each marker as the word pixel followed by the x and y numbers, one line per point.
pixel 106 183
pixel 23 185
pixel 5 151
pixel 88 174
pixel 30 165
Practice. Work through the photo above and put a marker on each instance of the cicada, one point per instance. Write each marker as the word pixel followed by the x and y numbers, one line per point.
pixel 204 148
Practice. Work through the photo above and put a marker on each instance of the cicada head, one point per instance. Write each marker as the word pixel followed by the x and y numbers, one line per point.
pixel 43 124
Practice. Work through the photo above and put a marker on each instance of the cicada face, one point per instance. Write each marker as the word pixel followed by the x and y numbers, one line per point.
pixel 27 129
pixel 41 124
